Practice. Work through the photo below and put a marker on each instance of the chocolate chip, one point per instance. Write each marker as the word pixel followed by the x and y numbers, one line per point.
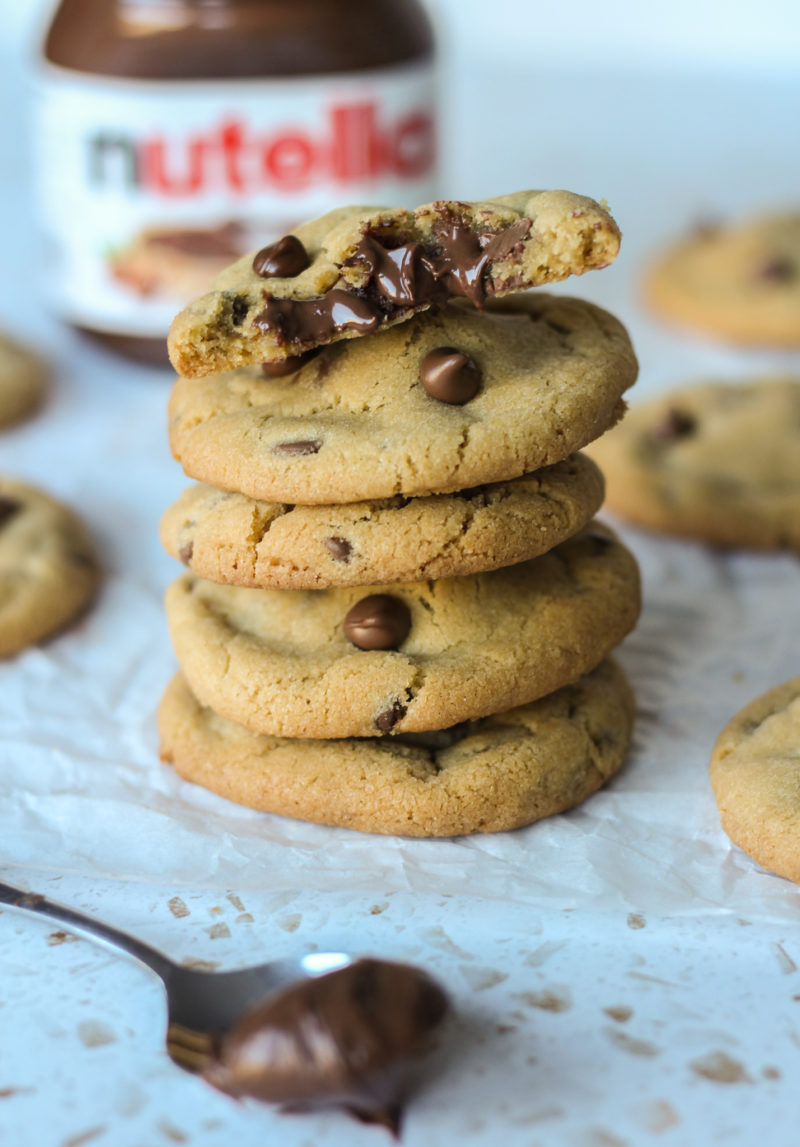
pixel 289 365
pixel 78 556
pixel 281 260
pixel 8 508
pixel 387 720
pixel 185 553
pixel 674 425
pixel 238 310
pixel 339 548
pixel 311 446
pixel 706 228
pixel 378 622
pixel 778 269
pixel 559 328
pixel 450 376
pixel 599 542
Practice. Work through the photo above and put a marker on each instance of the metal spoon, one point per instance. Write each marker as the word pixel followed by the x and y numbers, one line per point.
pixel 200 1005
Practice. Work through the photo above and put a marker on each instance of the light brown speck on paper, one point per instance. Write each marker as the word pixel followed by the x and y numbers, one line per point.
pixel 629 1043
pixel 93 1033
pixel 219 931
pixel 200 965
pixel 548 1000
pixel 659 1116
pixel 479 979
pixel 620 1013
pixel 719 1067
pixel 787 964
pixel 56 938
pixel 83 1137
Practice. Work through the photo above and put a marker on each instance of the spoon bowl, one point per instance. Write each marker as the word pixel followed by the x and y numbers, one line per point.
pixel 201 1006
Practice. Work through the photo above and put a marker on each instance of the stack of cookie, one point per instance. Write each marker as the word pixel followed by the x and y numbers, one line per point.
pixel 398 608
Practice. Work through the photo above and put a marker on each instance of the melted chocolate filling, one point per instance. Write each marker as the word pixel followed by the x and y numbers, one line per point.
pixel 400 277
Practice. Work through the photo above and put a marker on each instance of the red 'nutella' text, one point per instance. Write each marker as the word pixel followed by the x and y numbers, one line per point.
pixel 357 144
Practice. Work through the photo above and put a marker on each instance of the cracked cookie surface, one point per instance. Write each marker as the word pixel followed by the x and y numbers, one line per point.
pixel 715 461
pixel 278 661
pixel 356 423
pixel 498 773
pixel 48 569
pixel 371 267
pixel 22 381
pixel 739 282
pixel 755 775
pixel 230 538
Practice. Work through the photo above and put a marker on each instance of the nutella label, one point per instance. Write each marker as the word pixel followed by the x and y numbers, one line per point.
pixel 148 189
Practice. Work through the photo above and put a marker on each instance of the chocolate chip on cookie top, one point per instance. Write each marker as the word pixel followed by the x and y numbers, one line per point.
pixel 449 375
pixel 339 548
pixel 777 269
pixel 290 449
pixel 281 260
pixel 675 424
pixel 388 718
pixel 379 621
pixel 8 507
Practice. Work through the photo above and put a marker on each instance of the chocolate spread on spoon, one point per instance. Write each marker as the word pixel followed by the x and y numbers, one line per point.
pixel 344 1039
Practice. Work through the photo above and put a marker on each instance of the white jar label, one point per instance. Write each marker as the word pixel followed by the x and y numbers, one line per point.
pixel 147 189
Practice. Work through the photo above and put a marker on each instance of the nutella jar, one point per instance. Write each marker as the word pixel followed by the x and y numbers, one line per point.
pixel 173 136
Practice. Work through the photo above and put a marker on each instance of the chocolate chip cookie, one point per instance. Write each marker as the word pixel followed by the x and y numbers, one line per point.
pixel 227 537
pixel 48 569
pixel 740 282
pixel 491 775
pixel 755 775
pixel 22 381
pixel 360 661
pixel 357 422
pixel 358 270
pixel 715 461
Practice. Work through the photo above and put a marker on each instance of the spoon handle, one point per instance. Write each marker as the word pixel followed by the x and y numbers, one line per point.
pixel 86 925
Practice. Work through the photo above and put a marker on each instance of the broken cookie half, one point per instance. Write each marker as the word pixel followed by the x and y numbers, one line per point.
pixel 359 269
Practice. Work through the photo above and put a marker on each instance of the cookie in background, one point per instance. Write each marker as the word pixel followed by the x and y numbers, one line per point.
pixel 48 566
pixel 739 282
pixel 714 461
pixel 755 775
pixel 23 378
